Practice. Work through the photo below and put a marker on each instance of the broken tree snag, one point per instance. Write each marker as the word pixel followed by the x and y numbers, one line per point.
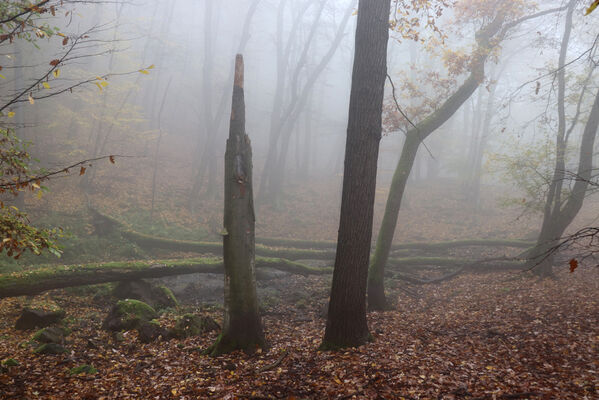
pixel 242 327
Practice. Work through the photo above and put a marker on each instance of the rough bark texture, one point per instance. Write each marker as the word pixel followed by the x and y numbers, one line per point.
pixel 242 327
pixel 346 321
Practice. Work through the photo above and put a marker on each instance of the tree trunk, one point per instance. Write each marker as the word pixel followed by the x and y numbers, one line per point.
pixel 346 321
pixel 406 161
pixel 550 231
pixel 542 256
pixel 242 327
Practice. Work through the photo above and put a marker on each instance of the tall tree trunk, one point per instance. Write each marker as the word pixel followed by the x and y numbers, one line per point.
pixel 346 321
pixel 242 327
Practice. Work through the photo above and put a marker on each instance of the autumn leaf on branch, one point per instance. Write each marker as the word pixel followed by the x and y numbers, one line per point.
pixel 573 262
pixel 592 7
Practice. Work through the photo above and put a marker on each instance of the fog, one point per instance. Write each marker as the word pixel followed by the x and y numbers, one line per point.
pixel 151 81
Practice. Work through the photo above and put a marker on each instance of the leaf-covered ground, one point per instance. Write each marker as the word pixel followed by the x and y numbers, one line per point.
pixel 480 336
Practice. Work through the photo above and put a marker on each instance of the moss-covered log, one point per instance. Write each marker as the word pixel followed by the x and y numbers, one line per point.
pixel 149 241
pixel 451 244
pixel 498 263
pixel 291 249
pixel 57 277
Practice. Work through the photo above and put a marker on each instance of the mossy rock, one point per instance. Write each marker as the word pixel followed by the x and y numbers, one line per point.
pixel 50 348
pixel 128 314
pixel 10 362
pixel 82 369
pixel 51 334
pixel 38 318
pixel 150 331
pixel 159 297
pixel 193 325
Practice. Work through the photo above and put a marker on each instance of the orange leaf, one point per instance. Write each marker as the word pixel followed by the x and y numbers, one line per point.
pixel 111 158
pixel 82 171
pixel 65 41
pixel 54 63
pixel 573 264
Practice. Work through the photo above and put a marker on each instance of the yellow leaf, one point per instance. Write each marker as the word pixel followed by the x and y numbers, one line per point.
pixel 39 194
pixel 151 66
pixel 11 114
pixel 2 76
pixel 99 86
pixel 104 83
pixel 143 71
pixel 337 380
pixel 31 99
pixel 592 7
pixel 46 85
pixel 56 73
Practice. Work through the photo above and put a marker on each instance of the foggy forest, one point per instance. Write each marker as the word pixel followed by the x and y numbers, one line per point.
pixel 299 199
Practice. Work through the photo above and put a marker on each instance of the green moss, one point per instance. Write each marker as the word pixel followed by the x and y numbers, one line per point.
pixel 187 325
pixel 10 362
pixel 50 348
pixel 169 294
pixel 82 369
pixel 135 309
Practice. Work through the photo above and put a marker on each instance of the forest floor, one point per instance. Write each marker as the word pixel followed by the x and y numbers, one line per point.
pixel 479 336
pixel 492 335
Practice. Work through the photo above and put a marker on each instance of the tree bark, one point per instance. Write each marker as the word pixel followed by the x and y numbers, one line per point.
pixel 346 321
pixel 242 327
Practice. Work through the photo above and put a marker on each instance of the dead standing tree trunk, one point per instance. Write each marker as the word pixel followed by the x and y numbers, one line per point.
pixel 242 327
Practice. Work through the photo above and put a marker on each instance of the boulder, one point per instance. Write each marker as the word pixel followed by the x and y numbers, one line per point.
pixel 37 318
pixel 128 314
pixel 158 297
pixel 51 334
pixel 193 325
pixel 150 330
pixel 50 348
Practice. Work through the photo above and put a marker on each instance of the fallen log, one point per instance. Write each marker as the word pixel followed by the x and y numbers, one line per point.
pixel 39 280
pixel 42 279
pixel 291 248
pixel 148 241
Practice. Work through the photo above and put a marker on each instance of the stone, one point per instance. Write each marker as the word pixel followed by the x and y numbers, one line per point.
pixel 51 334
pixel 128 314
pixel 149 331
pixel 158 297
pixel 37 318
pixel 50 348
pixel 193 325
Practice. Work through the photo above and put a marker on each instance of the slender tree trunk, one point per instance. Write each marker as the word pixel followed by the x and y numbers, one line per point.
pixel 157 152
pixel 376 299
pixel 346 321
pixel 550 229
pixel 541 256
pixel 242 327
